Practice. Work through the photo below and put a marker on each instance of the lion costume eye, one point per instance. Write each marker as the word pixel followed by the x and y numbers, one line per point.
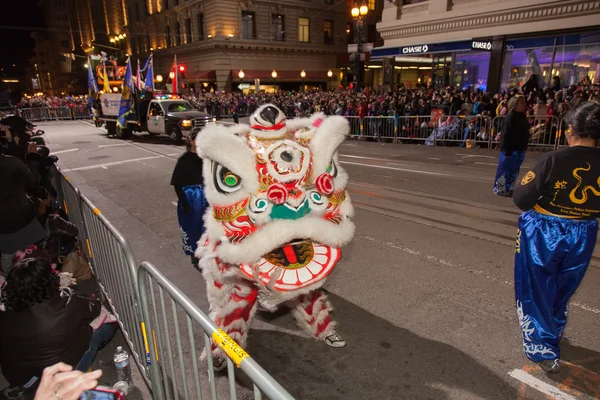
pixel 332 169
pixel 225 181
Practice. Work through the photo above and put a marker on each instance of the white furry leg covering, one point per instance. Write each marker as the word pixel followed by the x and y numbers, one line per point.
pixel 233 301
pixel 312 314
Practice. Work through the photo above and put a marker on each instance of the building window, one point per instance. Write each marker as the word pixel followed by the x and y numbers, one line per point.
pixel 178 34
pixel 168 36
pixel 136 17
pixel 278 27
pixel 371 4
pixel 248 25
pixel 165 4
pixel 200 26
pixel 188 30
pixel 328 32
pixel 303 30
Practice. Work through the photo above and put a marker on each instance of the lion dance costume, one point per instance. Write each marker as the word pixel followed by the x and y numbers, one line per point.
pixel 278 214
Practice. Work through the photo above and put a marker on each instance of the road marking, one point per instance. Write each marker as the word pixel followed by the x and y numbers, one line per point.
pixel 585 307
pixel 174 203
pixel 349 145
pixel 110 164
pixel 486 163
pixel 472 155
pixel 433 158
pixel 364 158
pixel 173 154
pixel 114 145
pixel 539 385
pixel 63 151
pixel 397 169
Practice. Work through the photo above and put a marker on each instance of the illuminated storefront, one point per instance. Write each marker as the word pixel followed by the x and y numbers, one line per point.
pixel 463 64
pixel 569 57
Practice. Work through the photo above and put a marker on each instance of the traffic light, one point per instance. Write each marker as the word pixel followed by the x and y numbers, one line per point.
pixel 182 70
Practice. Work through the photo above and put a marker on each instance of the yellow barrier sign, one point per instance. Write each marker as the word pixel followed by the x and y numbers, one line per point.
pixel 229 346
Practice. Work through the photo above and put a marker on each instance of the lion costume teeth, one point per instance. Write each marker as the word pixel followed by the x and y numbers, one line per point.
pixel 278 214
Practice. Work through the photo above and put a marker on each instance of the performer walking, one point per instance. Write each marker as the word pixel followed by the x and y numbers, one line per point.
pixel 557 235
pixel 189 186
pixel 513 143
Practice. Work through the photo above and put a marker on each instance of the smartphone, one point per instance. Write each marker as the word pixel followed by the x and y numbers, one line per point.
pixel 102 393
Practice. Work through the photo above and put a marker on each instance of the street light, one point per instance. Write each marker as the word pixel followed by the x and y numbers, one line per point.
pixel 274 75
pixel 358 15
pixel 172 75
pixel 303 75
pixel 159 78
pixel 329 75
pixel 241 74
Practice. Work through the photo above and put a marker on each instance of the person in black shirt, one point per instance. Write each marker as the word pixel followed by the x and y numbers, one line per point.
pixel 189 186
pixel 513 144
pixel 557 234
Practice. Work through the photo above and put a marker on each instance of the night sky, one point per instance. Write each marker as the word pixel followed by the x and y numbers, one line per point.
pixel 16 45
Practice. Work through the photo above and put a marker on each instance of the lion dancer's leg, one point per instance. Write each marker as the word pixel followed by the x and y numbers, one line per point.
pixel 233 303
pixel 311 311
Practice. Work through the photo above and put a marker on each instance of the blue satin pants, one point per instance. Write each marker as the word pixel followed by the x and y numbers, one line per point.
pixel 191 224
pixel 552 255
pixel 508 170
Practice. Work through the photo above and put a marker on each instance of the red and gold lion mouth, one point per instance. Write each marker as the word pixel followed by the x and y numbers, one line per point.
pixel 295 265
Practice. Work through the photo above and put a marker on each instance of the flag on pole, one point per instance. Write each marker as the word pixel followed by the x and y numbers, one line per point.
pixel 106 86
pixel 149 73
pixel 175 72
pixel 138 77
pixel 92 85
pixel 126 96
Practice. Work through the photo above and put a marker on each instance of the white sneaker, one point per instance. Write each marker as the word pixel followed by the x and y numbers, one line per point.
pixel 335 340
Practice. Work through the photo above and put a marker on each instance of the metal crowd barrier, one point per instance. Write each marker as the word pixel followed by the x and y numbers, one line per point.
pixel 38 114
pixel 168 371
pixel 546 131
pixel 130 292
pixel 111 259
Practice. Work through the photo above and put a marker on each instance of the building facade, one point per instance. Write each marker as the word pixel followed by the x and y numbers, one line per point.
pixel 490 44
pixel 74 29
pixel 215 40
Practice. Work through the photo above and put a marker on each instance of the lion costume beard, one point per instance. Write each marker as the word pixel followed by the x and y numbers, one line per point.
pixel 279 212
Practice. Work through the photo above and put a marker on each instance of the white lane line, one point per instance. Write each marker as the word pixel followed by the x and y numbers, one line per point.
pixel 349 145
pixel 63 151
pixel 364 158
pixel 433 158
pixel 539 385
pixel 114 145
pixel 174 203
pixel 110 164
pixel 396 169
pixel 173 154
pixel 402 165
pixel 473 155
pixel 486 163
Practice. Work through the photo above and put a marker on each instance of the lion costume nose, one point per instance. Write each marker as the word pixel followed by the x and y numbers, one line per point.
pixel 277 193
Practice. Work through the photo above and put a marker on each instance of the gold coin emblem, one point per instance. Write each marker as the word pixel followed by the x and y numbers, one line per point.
pixel 528 178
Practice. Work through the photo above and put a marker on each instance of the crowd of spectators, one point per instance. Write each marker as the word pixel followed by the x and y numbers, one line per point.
pixel 50 312
pixel 71 101
pixel 552 100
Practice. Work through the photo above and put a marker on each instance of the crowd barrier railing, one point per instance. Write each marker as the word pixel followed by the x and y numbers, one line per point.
pixel 40 114
pixel 126 288
pixel 546 131
pixel 167 310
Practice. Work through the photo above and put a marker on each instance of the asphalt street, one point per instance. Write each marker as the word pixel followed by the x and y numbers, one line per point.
pixel 423 295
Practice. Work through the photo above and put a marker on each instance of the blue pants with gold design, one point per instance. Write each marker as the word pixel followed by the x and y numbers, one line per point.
pixel 508 171
pixel 551 258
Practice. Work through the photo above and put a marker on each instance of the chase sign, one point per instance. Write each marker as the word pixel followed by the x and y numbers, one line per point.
pixel 415 49
pixel 478 45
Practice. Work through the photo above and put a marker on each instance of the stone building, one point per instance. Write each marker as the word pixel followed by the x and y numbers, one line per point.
pixel 215 40
pixel 491 44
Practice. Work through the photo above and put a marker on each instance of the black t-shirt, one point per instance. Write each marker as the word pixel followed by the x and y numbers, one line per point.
pixel 188 170
pixel 565 183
